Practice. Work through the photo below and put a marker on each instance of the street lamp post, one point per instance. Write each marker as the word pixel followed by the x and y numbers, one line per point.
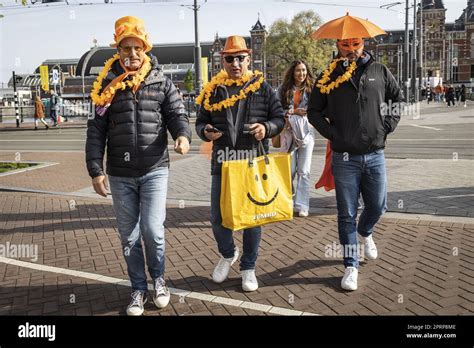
pixel 413 55
pixel 15 102
pixel 405 53
pixel 421 42
pixel 197 50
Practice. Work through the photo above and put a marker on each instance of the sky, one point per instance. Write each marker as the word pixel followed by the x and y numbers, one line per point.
pixel 30 35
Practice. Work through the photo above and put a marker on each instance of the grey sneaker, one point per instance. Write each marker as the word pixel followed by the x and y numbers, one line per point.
pixel 162 293
pixel 135 308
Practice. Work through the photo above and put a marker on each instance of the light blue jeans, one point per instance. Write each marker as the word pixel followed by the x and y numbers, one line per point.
pixel 301 168
pixel 140 209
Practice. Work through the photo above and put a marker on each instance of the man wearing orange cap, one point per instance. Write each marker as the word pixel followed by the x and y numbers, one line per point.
pixel 135 106
pixel 238 109
pixel 347 108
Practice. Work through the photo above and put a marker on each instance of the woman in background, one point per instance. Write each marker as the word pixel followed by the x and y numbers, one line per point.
pixel 39 113
pixel 294 95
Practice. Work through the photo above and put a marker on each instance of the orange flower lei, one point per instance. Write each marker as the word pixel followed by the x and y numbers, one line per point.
pixel 326 89
pixel 222 78
pixel 104 98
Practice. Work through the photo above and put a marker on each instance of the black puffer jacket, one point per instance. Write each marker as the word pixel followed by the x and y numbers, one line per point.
pixel 135 127
pixel 357 123
pixel 262 107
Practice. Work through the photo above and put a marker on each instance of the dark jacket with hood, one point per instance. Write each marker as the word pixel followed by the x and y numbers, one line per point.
pixel 134 127
pixel 263 107
pixel 357 116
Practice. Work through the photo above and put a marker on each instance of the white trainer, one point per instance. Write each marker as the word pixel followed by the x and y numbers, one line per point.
pixel 303 213
pixel 221 272
pixel 349 281
pixel 369 248
pixel 249 280
pixel 136 306
pixel 162 293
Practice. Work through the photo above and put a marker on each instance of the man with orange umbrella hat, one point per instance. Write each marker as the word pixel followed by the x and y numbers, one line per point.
pixel 348 107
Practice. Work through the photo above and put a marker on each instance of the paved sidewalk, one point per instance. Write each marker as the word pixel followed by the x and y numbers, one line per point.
pixel 424 267
pixel 437 187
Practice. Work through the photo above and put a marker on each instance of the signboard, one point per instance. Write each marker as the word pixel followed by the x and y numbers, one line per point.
pixel 204 70
pixel 55 76
pixel 44 77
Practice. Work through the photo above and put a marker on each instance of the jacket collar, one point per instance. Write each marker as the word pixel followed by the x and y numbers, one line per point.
pixel 155 74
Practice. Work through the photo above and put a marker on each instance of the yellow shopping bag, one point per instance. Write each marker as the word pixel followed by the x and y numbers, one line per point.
pixel 256 191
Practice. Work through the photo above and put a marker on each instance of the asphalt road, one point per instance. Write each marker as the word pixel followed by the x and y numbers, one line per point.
pixel 440 133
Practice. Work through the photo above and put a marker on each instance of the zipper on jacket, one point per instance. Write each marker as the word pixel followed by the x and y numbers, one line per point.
pixel 135 99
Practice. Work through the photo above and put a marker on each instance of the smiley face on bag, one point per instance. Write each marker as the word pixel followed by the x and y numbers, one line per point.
pixel 266 184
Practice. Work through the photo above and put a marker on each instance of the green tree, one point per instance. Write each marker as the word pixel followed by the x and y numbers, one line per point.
pixel 384 59
pixel 189 81
pixel 288 41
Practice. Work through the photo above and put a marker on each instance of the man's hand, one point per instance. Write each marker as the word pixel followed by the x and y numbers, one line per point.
pixel 211 135
pixel 181 145
pixel 258 130
pixel 100 186
pixel 300 112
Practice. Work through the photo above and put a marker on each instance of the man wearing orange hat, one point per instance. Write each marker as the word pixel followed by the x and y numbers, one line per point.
pixel 346 107
pixel 238 109
pixel 135 107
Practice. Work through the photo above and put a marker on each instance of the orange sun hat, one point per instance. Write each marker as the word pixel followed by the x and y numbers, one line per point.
pixel 235 44
pixel 130 26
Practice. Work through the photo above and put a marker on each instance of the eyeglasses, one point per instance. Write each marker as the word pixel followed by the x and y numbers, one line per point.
pixel 128 50
pixel 240 57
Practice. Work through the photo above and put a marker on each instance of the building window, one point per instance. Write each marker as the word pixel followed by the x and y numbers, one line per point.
pixel 472 71
pixel 472 46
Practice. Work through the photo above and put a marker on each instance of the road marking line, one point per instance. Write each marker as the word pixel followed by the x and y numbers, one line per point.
pixel 178 292
pixel 456 196
pixel 416 125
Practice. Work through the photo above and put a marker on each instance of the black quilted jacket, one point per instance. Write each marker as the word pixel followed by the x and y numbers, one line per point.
pixel 134 127
pixel 263 107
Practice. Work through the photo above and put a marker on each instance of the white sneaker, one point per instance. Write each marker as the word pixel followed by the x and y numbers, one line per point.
pixel 369 248
pixel 349 281
pixel 223 267
pixel 303 213
pixel 162 293
pixel 136 306
pixel 249 280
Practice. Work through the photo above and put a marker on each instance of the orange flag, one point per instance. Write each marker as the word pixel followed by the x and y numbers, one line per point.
pixel 327 179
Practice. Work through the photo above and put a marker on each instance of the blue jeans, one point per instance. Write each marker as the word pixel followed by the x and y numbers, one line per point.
pixel 53 114
pixel 224 237
pixel 354 175
pixel 140 209
pixel 301 168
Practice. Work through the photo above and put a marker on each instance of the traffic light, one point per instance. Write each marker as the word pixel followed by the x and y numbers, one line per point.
pixel 430 73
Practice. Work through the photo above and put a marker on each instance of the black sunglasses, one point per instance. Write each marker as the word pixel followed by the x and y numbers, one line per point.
pixel 240 57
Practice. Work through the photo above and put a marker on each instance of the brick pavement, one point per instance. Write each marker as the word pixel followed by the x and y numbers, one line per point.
pixel 439 187
pixel 424 267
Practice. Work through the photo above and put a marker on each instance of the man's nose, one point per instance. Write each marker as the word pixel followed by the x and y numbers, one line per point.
pixel 235 62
